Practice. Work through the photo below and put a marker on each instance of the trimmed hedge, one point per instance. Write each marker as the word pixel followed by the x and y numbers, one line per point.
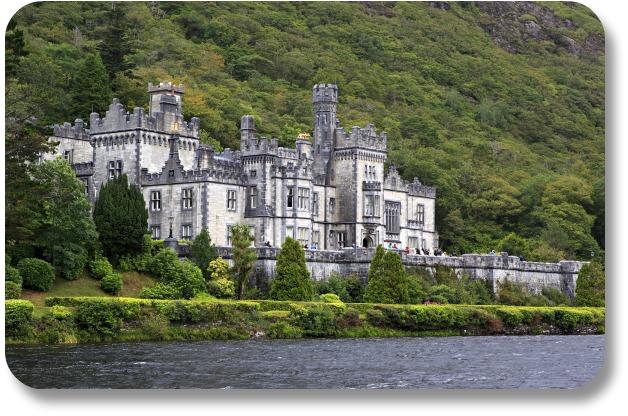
pixel 36 274
pixel 12 290
pixel 18 316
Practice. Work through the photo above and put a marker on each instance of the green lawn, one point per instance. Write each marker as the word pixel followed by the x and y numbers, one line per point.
pixel 88 286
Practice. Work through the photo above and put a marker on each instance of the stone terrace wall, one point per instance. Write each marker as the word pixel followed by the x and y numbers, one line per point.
pixel 495 268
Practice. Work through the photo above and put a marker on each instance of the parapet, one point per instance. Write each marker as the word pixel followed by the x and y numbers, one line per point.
pixel 322 93
pixel 364 138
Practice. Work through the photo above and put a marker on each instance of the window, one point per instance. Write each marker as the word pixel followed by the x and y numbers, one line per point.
pixel 155 232
pixel 155 201
pixel 423 243
pixel 332 204
pixel 115 168
pixel 302 235
pixel 303 198
pixel 252 229
pixel 86 183
pixel 371 205
pixel 393 210
pixel 316 236
pixel 315 203
pixel 231 200
pixel 369 172
pixel 229 235
pixel 413 242
pixel 290 200
pixel 290 232
pixel 253 197
pixel 67 155
pixel 186 231
pixel 186 197
pixel 420 214
pixel 341 239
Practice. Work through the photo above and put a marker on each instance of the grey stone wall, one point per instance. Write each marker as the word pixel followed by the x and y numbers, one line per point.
pixel 534 276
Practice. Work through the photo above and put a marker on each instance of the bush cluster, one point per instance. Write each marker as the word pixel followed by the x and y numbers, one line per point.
pixel 18 315
pixel 100 267
pixel 112 283
pixel 36 274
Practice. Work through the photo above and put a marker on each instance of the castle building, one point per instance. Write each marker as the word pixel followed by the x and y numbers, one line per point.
pixel 329 192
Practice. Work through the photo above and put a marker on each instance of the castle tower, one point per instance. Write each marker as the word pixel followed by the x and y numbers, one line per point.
pixel 247 131
pixel 325 99
pixel 164 98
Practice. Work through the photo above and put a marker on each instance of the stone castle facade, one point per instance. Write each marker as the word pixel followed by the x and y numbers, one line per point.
pixel 329 192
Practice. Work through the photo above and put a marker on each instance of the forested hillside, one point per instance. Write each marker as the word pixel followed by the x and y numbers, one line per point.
pixel 498 105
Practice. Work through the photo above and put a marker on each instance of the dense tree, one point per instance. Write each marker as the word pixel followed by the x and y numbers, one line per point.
pixel 243 255
pixel 203 252
pixel 121 218
pixel 590 285
pixel 67 229
pixel 388 281
pixel 292 280
pixel 115 45
pixel 91 90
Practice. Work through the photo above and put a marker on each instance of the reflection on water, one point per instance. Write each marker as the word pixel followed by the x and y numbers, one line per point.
pixel 531 362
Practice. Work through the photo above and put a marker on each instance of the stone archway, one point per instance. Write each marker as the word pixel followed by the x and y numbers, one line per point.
pixel 367 242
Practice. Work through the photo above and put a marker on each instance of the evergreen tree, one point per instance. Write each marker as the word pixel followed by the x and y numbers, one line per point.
pixel 388 281
pixel 91 90
pixel 203 252
pixel 115 44
pixel 292 281
pixel 243 255
pixel 590 286
pixel 121 218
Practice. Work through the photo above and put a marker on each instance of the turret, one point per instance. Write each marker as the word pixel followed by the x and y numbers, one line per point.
pixel 165 98
pixel 247 131
pixel 325 99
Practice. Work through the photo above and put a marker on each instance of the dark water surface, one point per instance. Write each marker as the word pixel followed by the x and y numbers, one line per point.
pixel 503 362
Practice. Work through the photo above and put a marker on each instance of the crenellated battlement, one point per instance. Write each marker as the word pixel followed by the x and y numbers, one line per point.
pixel 69 131
pixel 394 182
pixel 322 93
pixel 365 138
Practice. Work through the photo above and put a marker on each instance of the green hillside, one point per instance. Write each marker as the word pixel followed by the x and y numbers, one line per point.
pixel 499 105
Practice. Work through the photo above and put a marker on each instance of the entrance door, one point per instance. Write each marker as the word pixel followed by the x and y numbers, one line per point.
pixel 367 242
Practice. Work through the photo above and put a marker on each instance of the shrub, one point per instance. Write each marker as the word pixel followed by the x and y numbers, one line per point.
pixel 100 267
pixel 330 298
pixel 510 317
pixel 163 264
pixel 292 281
pixel 103 317
pixel 283 330
pixel 160 291
pixel 188 279
pixel 440 292
pixel 221 288
pixel 58 326
pixel 36 274
pixel 555 296
pixel 138 262
pixel 314 321
pixel 155 325
pixel 11 274
pixel 12 290
pixel 112 283
pixel 18 316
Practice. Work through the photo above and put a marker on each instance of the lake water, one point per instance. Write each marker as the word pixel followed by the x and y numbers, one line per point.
pixel 500 362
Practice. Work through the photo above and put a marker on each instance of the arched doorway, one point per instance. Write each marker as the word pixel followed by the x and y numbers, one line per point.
pixel 367 242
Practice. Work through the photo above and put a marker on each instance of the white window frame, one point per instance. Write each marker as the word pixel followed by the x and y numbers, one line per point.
pixel 232 197
pixel 303 198
pixel 186 231
pixel 187 195
pixel 420 213
pixel 155 232
pixel 155 201
pixel 253 197
pixel 302 235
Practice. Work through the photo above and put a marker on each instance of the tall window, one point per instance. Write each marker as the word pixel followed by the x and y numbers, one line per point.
pixel 115 168
pixel 341 239
pixel 186 231
pixel 186 196
pixel 229 235
pixel 231 200
pixel 332 204
pixel 316 235
pixel 371 205
pixel 420 213
pixel 413 242
pixel 315 203
pixel 303 198
pixel 290 200
pixel 302 235
pixel 155 232
pixel 86 183
pixel 155 201
pixel 253 197
pixel 290 232
pixel 393 210
pixel 67 155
